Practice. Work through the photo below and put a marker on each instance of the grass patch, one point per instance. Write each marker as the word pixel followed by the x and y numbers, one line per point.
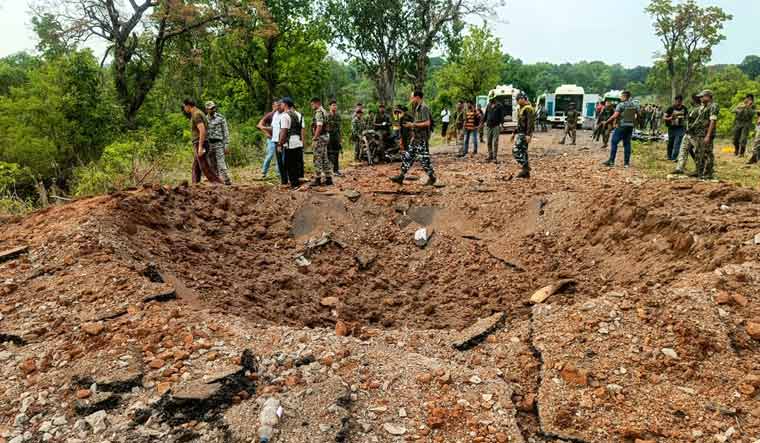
pixel 651 159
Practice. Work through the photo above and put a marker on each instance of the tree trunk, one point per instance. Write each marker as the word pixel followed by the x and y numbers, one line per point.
pixel 385 85
pixel 270 72
pixel 421 72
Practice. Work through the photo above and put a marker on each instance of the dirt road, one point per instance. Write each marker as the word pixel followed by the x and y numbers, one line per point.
pixel 128 316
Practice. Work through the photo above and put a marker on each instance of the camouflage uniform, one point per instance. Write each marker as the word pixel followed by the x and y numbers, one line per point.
pixel 219 142
pixel 418 146
pixel 332 126
pixel 756 147
pixel 322 163
pixel 571 125
pixel 358 125
pixel 526 124
pixel 606 114
pixel 704 151
pixel 745 118
pixel 687 144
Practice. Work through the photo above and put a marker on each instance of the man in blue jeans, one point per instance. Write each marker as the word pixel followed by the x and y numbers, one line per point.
pixel 675 120
pixel 270 125
pixel 625 114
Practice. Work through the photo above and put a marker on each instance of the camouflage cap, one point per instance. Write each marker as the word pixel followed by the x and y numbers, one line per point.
pixel 705 92
pixel 210 105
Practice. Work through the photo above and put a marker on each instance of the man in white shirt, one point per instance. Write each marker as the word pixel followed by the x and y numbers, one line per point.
pixel 290 142
pixel 445 119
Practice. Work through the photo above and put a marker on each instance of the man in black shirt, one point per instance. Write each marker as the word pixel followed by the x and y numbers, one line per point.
pixel 675 120
pixel 494 120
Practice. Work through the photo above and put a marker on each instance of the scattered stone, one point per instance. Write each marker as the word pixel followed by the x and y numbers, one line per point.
pixel 341 329
pixel 93 328
pixel 352 195
pixel 478 332
pixel 302 261
pixel 197 391
pixel 83 393
pixel 757 238
pixel 476 380
pixel 162 297
pixel 100 401
pixel 544 293
pixel 574 375
pixel 394 429
pixel 329 301
pixel 116 381
pixel 753 330
pixel 28 366
pixel 365 259
pixel 156 363
pixel 10 254
pixel 670 353
pixel 98 421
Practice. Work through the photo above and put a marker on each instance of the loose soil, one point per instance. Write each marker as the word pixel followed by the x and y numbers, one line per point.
pixel 289 274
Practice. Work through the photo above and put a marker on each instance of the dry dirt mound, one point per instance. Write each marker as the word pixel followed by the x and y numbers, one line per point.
pixel 128 316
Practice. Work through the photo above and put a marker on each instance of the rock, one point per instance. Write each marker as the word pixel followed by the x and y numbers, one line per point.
pixel 352 194
pixel 544 293
pixel 757 238
pixel 476 380
pixel 753 330
pixel 28 366
pixel 161 297
pixel 302 261
pixel 740 300
pixel 83 393
pixel 394 429
pixel 93 328
pixel 329 301
pixel 96 402
pixel 670 353
pixel 574 375
pixel 365 259
pixel 478 332
pixel 156 363
pixel 17 439
pixel 402 412
pixel 197 391
pixel 341 329
pixel 10 254
pixel 98 421
pixel 723 298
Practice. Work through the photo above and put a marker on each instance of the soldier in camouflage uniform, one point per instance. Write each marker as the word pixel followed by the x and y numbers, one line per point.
pixel 703 135
pixel 319 141
pixel 358 126
pixel 607 112
pixel 756 148
pixel 687 145
pixel 526 124
pixel 418 145
pixel 745 118
pixel 571 124
pixel 219 141
pixel 333 127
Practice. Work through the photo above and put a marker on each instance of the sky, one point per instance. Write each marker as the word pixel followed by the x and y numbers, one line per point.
pixel 555 31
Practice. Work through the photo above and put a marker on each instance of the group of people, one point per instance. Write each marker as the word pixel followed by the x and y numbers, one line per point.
pixel 211 142
pixel 650 118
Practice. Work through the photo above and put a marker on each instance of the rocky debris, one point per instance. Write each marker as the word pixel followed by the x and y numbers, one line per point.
pixel 365 259
pixel 118 381
pixel 477 333
pixel 161 297
pixel 352 194
pixel 422 236
pixel 753 330
pixel 153 273
pixel 544 293
pixel 12 338
pixel 98 421
pixel 329 301
pixel 93 328
pixel 100 401
pixel 10 254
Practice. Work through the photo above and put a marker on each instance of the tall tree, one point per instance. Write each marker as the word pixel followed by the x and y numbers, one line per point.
pixel 435 23
pixel 477 69
pixel 374 34
pixel 751 66
pixel 137 35
pixel 281 51
pixel 688 33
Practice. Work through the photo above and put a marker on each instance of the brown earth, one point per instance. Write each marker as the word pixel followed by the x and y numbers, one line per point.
pixel 658 266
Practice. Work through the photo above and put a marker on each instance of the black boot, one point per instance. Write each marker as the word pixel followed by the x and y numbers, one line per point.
pixel 328 181
pixel 398 179
pixel 317 181
pixel 524 172
pixel 753 159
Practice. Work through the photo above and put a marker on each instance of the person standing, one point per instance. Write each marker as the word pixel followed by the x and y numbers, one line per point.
pixel 571 124
pixel 756 148
pixel 290 143
pixel 626 114
pixel 265 126
pixel 199 131
pixel 333 127
pixel 607 112
pixel 319 141
pixel 481 114
pixel 357 130
pixel 382 124
pixel 687 145
pixel 459 119
pixel 745 117
pixel 704 135
pixel 418 146
pixel 656 120
pixel 471 125
pixel 526 124
pixel 675 120
pixel 445 119
pixel 219 141
pixel 494 119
